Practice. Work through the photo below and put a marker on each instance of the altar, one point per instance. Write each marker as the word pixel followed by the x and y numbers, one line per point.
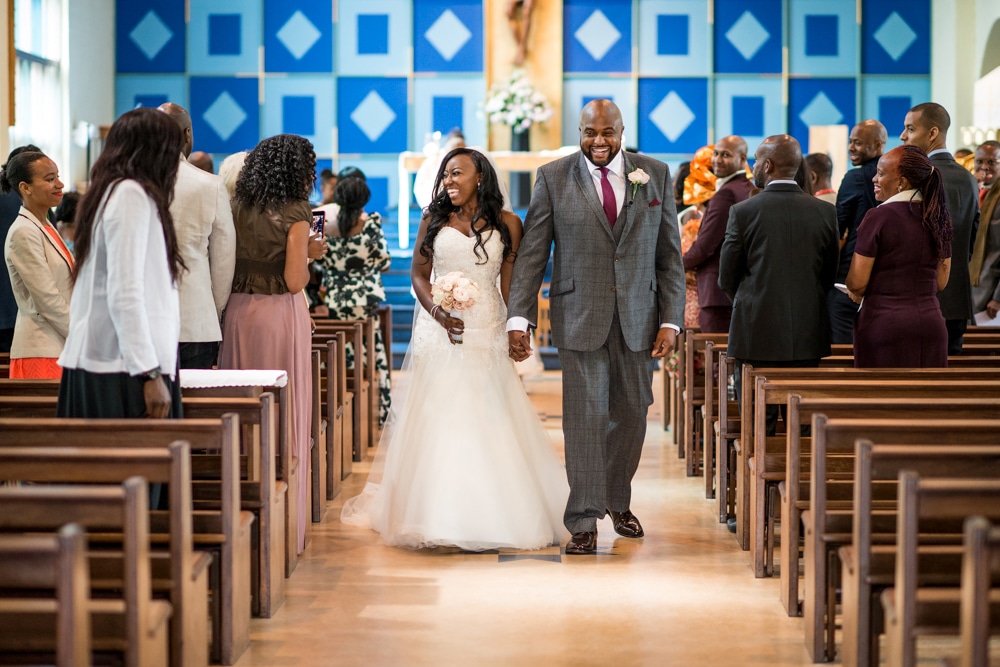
pixel 506 161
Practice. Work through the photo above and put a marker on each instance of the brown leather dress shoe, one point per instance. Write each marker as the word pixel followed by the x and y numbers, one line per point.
pixel 582 543
pixel 626 524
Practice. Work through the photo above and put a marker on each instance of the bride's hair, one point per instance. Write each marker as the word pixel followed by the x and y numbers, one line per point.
pixel 489 209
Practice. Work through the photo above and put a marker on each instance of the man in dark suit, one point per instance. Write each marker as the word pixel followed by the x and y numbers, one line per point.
pixel 616 301
pixel 779 259
pixel 926 126
pixel 855 198
pixel 729 162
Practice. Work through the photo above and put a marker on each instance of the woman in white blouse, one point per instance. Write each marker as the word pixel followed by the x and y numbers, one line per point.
pixel 120 358
pixel 40 267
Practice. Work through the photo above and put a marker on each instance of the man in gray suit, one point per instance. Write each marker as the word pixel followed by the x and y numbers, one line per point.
pixel 779 259
pixel 926 126
pixel 617 301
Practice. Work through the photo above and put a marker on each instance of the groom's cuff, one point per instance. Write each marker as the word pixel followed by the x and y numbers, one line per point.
pixel 518 324
pixel 665 325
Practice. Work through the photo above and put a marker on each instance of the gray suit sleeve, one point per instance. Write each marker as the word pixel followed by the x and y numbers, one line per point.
pixel 670 291
pixel 533 254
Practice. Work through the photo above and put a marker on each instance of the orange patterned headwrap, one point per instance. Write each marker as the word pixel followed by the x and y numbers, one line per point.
pixel 699 186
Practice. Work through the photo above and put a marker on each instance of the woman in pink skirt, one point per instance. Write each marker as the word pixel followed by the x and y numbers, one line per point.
pixel 266 323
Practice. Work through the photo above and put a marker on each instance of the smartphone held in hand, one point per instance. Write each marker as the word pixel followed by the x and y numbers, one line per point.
pixel 319 222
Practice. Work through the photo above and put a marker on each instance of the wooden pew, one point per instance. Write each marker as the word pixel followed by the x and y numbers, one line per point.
pixel 57 562
pixel 867 561
pixel 331 393
pixel 226 532
pixel 187 573
pixel 980 571
pixel 359 384
pixel 794 491
pixel 123 510
pixel 916 604
pixel 828 522
pixel 754 479
pixel 694 396
pixel 319 430
pixel 260 492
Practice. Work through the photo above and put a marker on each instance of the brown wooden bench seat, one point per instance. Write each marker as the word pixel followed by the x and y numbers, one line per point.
pixel 828 523
pixel 128 605
pixel 794 490
pixel 980 588
pixel 361 336
pixel 226 532
pixel 57 563
pixel 186 577
pixel 763 387
pixel 926 593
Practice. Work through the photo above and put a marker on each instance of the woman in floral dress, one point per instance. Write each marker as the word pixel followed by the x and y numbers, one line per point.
pixel 353 264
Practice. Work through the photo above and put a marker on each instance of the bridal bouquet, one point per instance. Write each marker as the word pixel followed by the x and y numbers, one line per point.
pixel 516 103
pixel 454 292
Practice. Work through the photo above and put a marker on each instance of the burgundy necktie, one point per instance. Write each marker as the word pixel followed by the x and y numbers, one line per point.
pixel 610 205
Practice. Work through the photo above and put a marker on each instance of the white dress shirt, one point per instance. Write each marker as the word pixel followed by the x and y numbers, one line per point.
pixel 125 314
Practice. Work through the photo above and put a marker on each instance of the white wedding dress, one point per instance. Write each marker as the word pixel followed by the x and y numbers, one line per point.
pixel 464 460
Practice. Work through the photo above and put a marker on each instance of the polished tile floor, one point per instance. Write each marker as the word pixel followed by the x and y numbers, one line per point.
pixel 683 595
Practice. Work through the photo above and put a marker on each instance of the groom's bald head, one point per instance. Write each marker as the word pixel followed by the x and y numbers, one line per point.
pixel 601 131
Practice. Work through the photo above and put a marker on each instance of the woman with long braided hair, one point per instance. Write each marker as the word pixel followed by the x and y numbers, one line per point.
pixel 901 261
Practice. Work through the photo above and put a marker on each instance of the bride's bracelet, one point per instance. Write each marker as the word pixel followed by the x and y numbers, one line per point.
pixel 434 312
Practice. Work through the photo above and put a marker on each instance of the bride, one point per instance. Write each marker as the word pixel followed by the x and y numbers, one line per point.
pixel 464 461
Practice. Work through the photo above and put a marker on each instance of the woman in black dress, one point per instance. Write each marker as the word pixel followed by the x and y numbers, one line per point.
pixel 901 261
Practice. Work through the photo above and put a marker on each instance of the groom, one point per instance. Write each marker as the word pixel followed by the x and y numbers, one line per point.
pixel 617 300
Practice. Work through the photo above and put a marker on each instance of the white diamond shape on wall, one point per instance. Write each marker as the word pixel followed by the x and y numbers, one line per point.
pixel 747 35
pixel 821 111
pixel 298 35
pixel 150 35
pixel 672 116
pixel 895 36
pixel 373 116
pixel 225 116
pixel 597 35
pixel 448 35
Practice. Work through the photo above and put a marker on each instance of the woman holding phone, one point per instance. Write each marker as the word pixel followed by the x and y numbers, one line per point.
pixel 267 322
pixel 356 257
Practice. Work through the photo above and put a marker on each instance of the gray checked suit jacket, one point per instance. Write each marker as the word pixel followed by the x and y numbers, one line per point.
pixel 634 268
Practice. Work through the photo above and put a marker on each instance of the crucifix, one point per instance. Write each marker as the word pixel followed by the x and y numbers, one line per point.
pixel 519 17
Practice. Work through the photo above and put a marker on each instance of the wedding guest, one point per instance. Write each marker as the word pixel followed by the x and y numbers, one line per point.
pixel 855 198
pixel 229 171
pixel 901 261
pixel 820 174
pixel 327 184
pixel 356 257
pixel 202 160
pixel 40 267
pixel 698 189
pixel 120 358
pixel 267 321
pixel 203 221
pixel 984 266
pixel 729 163
pixel 10 205
pixel 778 261
pixel 926 127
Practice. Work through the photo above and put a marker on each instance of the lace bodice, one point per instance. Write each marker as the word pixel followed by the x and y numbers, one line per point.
pixel 486 321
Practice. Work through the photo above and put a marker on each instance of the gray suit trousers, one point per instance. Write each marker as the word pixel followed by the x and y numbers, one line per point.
pixel 606 396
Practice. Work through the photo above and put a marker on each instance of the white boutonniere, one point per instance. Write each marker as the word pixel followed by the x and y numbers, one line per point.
pixel 637 178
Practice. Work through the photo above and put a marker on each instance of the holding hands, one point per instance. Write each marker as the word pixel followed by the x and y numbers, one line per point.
pixel 519 345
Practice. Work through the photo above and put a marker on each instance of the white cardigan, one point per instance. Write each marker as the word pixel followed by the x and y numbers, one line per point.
pixel 40 277
pixel 125 313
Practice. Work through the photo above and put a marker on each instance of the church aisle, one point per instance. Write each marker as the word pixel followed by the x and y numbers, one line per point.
pixel 683 595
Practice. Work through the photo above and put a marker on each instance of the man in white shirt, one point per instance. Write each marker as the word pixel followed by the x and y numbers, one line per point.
pixel 206 237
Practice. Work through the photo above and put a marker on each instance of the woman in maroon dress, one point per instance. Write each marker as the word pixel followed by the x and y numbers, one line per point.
pixel 901 261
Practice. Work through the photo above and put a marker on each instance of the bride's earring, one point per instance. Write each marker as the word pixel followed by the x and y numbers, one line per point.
pixel 479 185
